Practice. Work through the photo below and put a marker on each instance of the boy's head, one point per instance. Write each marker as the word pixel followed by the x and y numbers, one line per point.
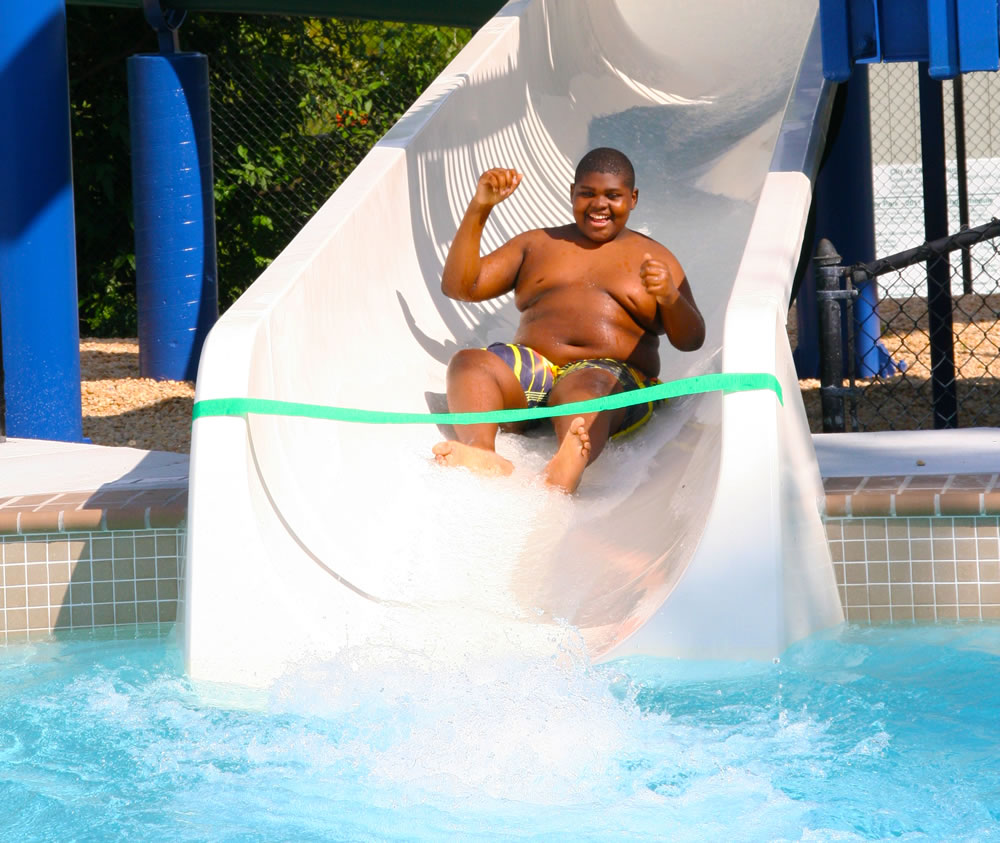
pixel 603 194
pixel 604 159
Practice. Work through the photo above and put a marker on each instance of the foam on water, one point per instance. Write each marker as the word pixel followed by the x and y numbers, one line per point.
pixel 861 734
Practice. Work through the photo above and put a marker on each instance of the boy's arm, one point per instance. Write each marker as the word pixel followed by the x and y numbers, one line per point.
pixel 466 275
pixel 665 280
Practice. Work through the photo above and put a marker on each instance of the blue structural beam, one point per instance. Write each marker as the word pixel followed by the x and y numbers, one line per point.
pixel 951 36
pixel 174 211
pixel 38 296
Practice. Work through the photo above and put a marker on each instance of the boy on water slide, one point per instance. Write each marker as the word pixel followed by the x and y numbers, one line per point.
pixel 594 297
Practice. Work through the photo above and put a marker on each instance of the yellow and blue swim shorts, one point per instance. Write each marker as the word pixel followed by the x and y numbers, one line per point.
pixel 538 376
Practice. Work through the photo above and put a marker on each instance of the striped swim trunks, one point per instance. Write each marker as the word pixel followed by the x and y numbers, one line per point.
pixel 537 376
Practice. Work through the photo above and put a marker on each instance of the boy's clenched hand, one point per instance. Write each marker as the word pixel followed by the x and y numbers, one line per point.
pixel 496 185
pixel 658 280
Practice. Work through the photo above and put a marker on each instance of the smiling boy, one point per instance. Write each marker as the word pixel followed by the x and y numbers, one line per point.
pixel 594 297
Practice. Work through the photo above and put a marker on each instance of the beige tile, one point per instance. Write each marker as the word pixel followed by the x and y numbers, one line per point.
pixel 854 529
pixel 854 551
pixel 13 551
pixel 920 549
pixel 838 573
pixel 81 593
pixel 166 567
pixel 943 549
pixel 15 575
pixel 923 594
pixel 878 595
pixel 145 590
pixel 947 613
pixel 902 613
pixel 58 572
pixel 924 613
pixel 988 549
pixel 36 551
pixel 858 614
pixel 922 571
pixel 124 569
pixel 989 571
pixel 968 593
pixel 104 614
pixel 965 548
pixel 104 592
pixel 125 591
pixel 38 619
pixel 167 612
pixel 166 589
pixel 855 573
pixel 877 550
pixel 875 528
pixel 967 571
pixel 146 612
pixel 837 551
pixel 145 569
pixel 16 597
pixel 81 571
pixel 79 549
pixel 124 613
pixel 59 617
pixel 58 551
pixel 969 613
pixel 989 593
pixel 857 595
pixel 990 613
pixel 82 616
pixel 101 548
pixel 38 573
pixel 17 619
pixel 124 547
pixel 988 527
pixel 145 547
pixel 901 595
pixel 166 544
pixel 899 572
pixel 38 595
pixel 58 593
pixel 899 550
pixel 965 528
pixel 880 614
pixel 834 529
pixel 920 528
pixel 945 572
pixel 942 528
pixel 102 570
pixel 897 528
pixel 878 572
pixel 946 594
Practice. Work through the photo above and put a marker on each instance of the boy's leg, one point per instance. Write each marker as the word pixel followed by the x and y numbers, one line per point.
pixel 478 381
pixel 583 437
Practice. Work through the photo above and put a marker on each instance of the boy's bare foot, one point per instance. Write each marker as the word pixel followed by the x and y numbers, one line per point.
pixel 479 460
pixel 566 467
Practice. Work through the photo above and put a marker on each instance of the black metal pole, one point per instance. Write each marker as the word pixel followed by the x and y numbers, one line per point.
pixel 939 301
pixel 958 96
pixel 828 271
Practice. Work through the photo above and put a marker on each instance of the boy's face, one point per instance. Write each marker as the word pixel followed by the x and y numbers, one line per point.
pixel 601 205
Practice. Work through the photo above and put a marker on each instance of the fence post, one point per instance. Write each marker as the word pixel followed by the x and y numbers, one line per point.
pixel 828 272
pixel 939 300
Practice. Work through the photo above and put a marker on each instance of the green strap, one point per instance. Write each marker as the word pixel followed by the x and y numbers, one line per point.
pixel 727 382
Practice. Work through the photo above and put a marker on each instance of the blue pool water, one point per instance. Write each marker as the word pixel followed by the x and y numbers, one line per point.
pixel 862 733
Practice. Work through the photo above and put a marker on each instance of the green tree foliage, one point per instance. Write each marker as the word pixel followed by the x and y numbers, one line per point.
pixel 296 104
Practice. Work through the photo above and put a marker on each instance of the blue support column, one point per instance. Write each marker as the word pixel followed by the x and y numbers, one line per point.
pixel 38 296
pixel 174 211
pixel 844 207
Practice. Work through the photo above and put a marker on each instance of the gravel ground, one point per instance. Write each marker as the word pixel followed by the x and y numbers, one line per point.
pixel 121 408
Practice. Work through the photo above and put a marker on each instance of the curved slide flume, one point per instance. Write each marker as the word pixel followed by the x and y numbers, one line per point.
pixel 699 536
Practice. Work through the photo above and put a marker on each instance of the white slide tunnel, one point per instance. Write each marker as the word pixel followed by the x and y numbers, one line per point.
pixel 699 536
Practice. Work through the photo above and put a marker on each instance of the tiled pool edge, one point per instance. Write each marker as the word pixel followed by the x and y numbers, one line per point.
pixel 90 560
pixel 904 549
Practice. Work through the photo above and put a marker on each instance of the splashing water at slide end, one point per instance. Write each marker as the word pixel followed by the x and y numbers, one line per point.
pixel 308 536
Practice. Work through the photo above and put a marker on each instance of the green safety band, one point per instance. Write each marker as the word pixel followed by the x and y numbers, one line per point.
pixel 726 382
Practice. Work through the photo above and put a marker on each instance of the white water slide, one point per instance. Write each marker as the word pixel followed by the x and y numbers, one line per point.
pixel 699 536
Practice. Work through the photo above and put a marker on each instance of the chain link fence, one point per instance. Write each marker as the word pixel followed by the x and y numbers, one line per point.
pixel 936 331
pixel 296 104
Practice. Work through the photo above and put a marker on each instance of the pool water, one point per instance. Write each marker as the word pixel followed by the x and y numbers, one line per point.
pixel 857 734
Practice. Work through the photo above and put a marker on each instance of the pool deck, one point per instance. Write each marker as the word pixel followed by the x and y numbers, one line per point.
pixel 94 536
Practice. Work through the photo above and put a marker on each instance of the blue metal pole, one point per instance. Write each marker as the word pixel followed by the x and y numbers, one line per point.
pixel 845 215
pixel 38 296
pixel 174 211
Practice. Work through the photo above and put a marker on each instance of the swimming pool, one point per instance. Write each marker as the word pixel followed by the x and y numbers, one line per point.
pixel 861 733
